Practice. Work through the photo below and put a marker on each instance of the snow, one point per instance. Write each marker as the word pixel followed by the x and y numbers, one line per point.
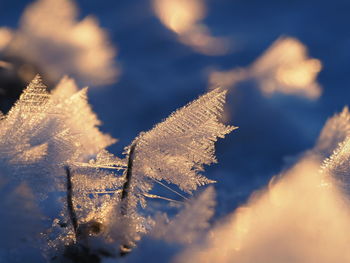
pixel 161 72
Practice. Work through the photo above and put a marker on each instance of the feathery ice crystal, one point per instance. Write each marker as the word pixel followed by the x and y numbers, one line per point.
pixel 54 154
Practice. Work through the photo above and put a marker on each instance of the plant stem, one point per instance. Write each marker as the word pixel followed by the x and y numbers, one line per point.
pixel 126 248
pixel 126 186
pixel 71 211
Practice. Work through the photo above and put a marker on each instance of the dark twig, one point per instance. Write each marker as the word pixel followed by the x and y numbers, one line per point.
pixel 126 186
pixel 79 251
pixel 126 248
pixel 71 211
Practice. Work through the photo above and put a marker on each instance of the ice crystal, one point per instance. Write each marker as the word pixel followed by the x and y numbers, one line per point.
pixel 174 151
pixel 177 149
pixel 183 143
pixel 51 141
pixel 334 132
pixel 337 165
pixel 333 146
pixel 40 134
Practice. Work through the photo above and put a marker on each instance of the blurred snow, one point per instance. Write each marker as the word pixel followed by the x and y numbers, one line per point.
pixel 286 221
pixel 283 68
pixel 299 218
pixel 52 39
pixel 183 17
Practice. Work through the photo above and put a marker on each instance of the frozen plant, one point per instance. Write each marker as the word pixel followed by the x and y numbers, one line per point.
pixel 90 204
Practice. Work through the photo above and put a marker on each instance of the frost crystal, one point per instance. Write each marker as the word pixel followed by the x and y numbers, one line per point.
pixel 338 164
pixel 334 141
pixel 50 145
pixel 40 134
pixel 176 149
pixel 79 118
pixel 335 131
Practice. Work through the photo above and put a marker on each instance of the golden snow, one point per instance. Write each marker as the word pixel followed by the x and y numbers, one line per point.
pixel 184 18
pixel 52 39
pixel 285 67
pixel 5 37
pixel 300 218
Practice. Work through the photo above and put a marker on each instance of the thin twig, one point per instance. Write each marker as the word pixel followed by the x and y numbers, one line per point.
pixel 126 248
pixel 126 186
pixel 71 211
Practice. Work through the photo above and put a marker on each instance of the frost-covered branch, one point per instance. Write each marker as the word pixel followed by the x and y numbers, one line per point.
pixel 128 178
pixel 70 206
